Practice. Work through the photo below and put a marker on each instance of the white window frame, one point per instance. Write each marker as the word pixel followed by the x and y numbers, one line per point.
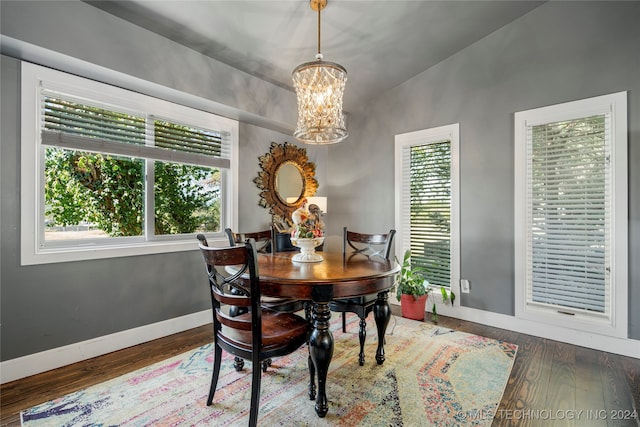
pixel 32 168
pixel 616 105
pixel 403 243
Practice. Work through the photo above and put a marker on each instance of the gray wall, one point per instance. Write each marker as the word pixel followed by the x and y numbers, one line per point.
pixel 561 51
pixel 49 306
pixel 76 29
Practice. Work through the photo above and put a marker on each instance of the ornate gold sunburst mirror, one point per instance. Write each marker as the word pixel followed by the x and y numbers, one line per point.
pixel 287 177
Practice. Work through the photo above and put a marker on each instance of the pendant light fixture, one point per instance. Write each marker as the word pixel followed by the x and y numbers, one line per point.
pixel 319 88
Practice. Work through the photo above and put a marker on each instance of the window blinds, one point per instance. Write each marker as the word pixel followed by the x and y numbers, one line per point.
pixel 74 124
pixel 568 214
pixel 429 213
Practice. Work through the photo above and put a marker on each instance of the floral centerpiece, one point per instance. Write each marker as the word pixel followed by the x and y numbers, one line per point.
pixel 307 232
pixel 307 222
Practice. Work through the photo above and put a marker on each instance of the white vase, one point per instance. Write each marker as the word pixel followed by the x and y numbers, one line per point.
pixel 307 249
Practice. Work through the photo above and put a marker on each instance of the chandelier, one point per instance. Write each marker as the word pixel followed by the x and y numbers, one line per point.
pixel 319 88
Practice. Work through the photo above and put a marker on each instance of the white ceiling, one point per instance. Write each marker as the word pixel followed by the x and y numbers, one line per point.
pixel 380 43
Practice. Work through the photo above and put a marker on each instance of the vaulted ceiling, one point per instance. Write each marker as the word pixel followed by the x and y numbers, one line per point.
pixel 380 43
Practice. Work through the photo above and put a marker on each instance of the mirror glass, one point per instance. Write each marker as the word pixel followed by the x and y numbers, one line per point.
pixel 289 183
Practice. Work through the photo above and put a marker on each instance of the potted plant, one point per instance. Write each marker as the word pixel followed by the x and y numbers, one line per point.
pixel 413 290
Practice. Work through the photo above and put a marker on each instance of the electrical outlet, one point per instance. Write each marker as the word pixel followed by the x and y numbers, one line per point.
pixel 464 286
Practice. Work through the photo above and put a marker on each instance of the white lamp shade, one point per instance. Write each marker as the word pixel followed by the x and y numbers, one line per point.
pixel 321 202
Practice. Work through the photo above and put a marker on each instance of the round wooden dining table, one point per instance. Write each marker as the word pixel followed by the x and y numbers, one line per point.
pixel 337 276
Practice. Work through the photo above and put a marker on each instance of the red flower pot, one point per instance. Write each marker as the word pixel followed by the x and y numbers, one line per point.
pixel 413 308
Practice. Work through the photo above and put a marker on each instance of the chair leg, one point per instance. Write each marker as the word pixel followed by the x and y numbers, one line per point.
pixel 217 361
pixel 363 336
pixel 344 322
pixel 238 364
pixel 256 375
pixel 266 364
pixel 235 311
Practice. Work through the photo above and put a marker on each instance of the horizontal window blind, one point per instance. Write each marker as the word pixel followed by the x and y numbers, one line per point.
pixel 172 136
pixel 70 123
pixel 430 208
pixel 568 214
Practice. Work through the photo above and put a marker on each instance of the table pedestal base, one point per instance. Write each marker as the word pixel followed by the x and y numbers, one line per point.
pixel 320 352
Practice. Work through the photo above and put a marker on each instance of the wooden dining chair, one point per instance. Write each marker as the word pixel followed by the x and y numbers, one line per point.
pixel 369 245
pixel 256 335
pixel 264 239
pixel 266 243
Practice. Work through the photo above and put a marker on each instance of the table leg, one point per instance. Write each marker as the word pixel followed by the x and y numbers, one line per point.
pixel 321 351
pixel 312 368
pixel 382 314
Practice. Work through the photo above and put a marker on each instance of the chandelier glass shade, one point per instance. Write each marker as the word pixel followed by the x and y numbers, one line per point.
pixel 319 89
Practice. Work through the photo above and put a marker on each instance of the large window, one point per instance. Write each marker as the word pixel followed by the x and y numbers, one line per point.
pixel 109 172
pixel 570 220
pixel 427 202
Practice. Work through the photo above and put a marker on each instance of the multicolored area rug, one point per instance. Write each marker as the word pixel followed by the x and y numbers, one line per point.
pixel 432 376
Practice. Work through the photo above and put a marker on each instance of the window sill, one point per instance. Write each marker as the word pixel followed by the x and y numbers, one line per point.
pixel 95 251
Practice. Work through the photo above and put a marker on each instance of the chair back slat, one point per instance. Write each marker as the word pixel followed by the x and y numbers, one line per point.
pixel 235 299
pixel 370 245
pixel 241 323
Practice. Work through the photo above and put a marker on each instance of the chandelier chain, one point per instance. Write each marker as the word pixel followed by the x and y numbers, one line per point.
pixel 319 52
pixel 319 89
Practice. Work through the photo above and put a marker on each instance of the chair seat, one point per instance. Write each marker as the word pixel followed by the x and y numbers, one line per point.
pixel 278 330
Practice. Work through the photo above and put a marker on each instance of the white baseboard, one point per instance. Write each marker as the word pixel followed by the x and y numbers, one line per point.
pixel 32 364
pixel 623 346
pixel 36 363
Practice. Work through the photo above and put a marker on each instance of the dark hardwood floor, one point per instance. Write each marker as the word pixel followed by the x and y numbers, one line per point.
pixel 558 384
pixel 551 383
